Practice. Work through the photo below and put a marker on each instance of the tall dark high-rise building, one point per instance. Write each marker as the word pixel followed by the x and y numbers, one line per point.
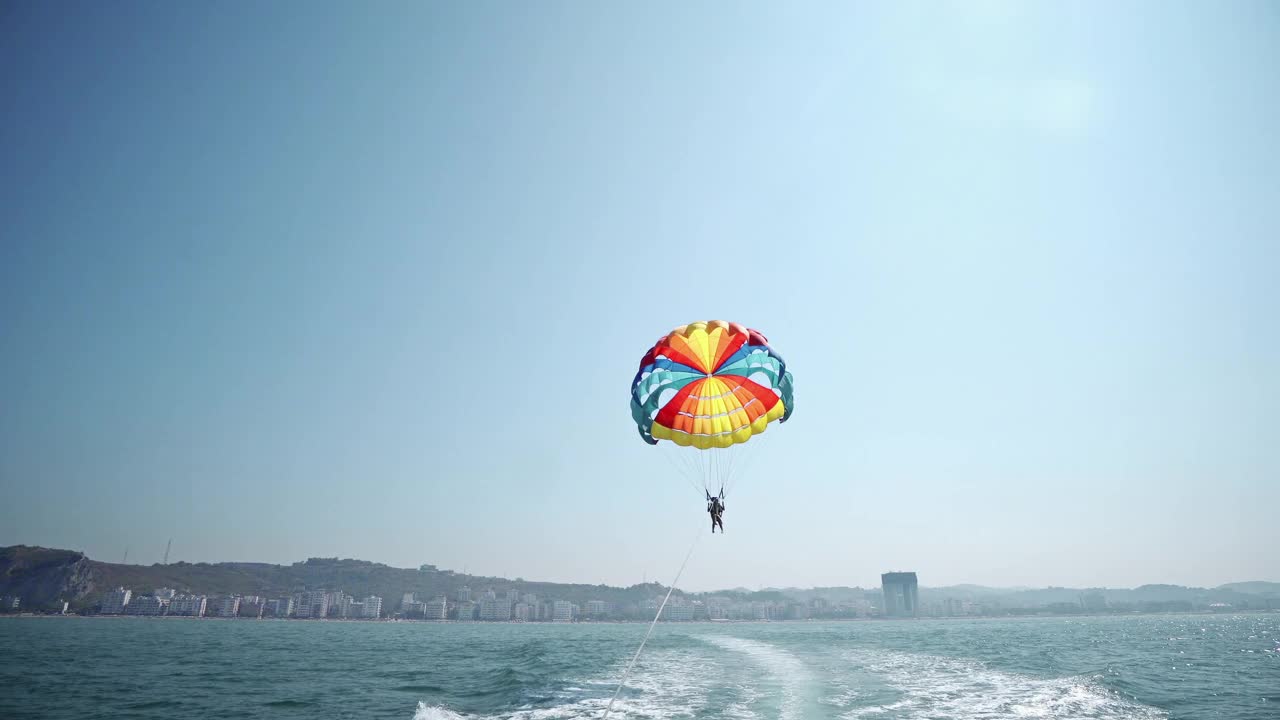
pixel 901 594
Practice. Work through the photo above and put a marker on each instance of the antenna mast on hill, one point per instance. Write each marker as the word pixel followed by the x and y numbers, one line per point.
pixel 166 551
pixel 125 561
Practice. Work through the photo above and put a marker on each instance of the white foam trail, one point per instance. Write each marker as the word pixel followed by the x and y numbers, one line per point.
pixel 781 665
pixel 664 684
pixel 934 688
pixel 434 712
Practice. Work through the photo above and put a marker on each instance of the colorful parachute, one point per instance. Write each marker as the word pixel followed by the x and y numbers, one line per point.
pixel 710 385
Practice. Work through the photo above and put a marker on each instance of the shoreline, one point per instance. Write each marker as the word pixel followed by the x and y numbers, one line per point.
pixel 372 621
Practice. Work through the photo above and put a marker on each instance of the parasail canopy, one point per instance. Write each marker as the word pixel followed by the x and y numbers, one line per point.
pixel 710 385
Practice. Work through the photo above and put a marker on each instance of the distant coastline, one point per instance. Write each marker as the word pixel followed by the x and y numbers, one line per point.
pixel 816 621
pixel 35 579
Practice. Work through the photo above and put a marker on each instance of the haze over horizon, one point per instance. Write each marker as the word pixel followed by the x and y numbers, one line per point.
pixel 283 285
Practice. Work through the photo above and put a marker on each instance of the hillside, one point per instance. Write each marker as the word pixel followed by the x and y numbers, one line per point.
pixel 42 576
pixel 1257 587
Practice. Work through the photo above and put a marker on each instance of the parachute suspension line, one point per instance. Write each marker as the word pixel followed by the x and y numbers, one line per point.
pixel 735 464
pixel 744 461
pixel 682 472
pixel 737 454
pixel 656 615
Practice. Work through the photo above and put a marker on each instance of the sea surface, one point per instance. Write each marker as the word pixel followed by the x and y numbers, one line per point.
pixel 1137 667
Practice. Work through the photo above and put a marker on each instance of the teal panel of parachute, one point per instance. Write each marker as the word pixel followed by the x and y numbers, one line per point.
pixel 768 363
pixel 647 392
pixel 788 396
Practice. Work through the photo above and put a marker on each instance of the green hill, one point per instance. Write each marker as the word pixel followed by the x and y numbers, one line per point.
pixel 43 576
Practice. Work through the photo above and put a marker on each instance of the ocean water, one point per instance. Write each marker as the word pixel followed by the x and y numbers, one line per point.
pixel 1132 668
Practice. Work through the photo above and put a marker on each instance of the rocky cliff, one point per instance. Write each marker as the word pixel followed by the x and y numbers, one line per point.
pixel 42 577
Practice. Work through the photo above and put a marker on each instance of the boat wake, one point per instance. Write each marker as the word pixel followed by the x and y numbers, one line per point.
pixel 435 712
pixel 940 688
pixel 731 678
pixel 778 667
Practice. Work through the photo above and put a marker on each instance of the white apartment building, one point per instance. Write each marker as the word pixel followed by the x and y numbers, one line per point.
pixel 146 605
pixel 188 605
pixel 314 604
pixel 337 603
pixel 466 611
pixel 281 607
pixel 677 613
pixel 562 611
pixel 114 602
pixel 493 609
pixel 228 606
pixel 252 606
pixel 373 607
pixel 437 609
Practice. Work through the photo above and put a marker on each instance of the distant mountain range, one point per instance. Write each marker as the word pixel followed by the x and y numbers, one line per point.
pixel 43 577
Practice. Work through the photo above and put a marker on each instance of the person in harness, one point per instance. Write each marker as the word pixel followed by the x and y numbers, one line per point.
pixel 715 506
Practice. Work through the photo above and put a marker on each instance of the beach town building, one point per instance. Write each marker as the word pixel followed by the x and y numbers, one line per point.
pixel 337 603
pixel 437 609
pixel 901 594
pixel 677 612
pixel 313 604
pixel 165 593
pixel 372 607
pixel 146 605
pixel 227 606
pixel 562 611
pixel 494 609
pixel 10 603
pixel 188 605
pixel 520 612
pixel 279 607
pixel 252 606
pixel 464 594
pixel 466 611
pixel 535 608
pixel 115 601
pixel 718 608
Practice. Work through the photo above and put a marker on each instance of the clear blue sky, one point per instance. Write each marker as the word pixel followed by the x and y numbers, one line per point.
pixel 293 279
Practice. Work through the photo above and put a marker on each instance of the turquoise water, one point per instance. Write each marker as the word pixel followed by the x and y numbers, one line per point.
pixel 1140 667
